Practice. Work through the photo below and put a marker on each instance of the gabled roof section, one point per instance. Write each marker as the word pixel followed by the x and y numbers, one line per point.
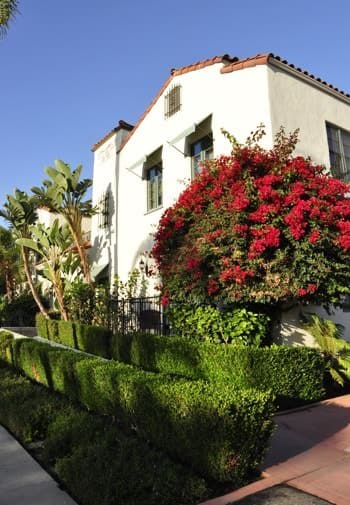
pixel 122 125
pixel 270 58
pixel 225 59
pixel 232 64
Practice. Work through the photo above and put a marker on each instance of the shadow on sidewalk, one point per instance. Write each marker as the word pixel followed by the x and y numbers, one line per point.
pixel 300 431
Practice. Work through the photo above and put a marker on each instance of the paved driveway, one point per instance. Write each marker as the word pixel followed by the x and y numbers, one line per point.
pixel 310 451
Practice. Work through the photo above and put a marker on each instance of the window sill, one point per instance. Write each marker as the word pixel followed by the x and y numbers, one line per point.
pixel 153 210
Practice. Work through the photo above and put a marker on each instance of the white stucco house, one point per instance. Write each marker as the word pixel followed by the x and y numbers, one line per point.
pixel 140 170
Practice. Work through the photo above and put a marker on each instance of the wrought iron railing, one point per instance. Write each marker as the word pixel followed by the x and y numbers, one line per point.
pixel 144 315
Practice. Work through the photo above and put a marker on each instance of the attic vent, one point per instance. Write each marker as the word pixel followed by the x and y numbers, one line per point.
pixel 172 101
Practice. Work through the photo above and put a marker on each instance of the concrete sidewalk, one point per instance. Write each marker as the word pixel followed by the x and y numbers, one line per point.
pixel 22 480
pixel 310 451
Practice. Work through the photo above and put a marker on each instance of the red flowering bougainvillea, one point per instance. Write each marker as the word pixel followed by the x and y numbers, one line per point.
pixel 258 226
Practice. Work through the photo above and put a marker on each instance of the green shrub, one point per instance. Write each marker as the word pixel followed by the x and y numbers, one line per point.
pixel 91 339
pixel 89 452
pixel 41 326
pixel 148 478
pixel 6 338
pixel 220 432
pixel 210 324
pixel 24 408
pixel 294 374
pixel 52 329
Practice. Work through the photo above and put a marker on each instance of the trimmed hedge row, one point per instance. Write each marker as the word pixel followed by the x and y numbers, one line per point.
pixel 88 452
pixel 92 339
pixel 220 432
pixel 294 374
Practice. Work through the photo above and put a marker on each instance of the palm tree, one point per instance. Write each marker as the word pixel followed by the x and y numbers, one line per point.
pixel 64 194
pixel 59 262
pixel 8 11
pixel 20 212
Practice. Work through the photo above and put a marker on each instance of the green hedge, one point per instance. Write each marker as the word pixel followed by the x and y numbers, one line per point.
pixel 88 452
pixel 91 339
pixel 294 374
pixel 220 432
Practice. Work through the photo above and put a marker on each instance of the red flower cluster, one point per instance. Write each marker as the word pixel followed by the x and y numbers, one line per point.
pixel 263 238
pixel 258 226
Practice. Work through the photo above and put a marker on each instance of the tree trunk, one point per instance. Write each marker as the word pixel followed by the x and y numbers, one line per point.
pixel 60 300
pixel 83 257
pixel 9 282
pixel 31 284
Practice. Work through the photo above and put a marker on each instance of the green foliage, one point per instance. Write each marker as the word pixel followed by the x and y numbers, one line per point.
pixel 293 374
pixel 210 324
pixel 20 311
pixel 8 11
pixel 88 303
pixel 64 193
pixel 336 351
pixel 89 452
pixel 6 339
pixel 134 286
pixel 41 325
pixel 219 431
pixel 10 264
pixel 91 339
pixel 20 212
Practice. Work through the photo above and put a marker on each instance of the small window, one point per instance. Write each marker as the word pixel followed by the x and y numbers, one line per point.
pixel 172 101
pixel 154 187
pixel 103 210
pixel 201 150
pixel 339 152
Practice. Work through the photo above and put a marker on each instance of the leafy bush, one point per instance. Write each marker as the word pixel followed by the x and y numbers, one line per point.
pixel 257 226
pixel 199 423
pixel 213 325
pixel 294 374
pixel 89 452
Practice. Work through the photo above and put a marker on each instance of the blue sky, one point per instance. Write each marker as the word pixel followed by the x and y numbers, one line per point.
pixel 70 69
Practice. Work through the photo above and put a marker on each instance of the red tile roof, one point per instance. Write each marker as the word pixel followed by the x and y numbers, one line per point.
pixel 121 125
pixel 230 64
pixel 265 59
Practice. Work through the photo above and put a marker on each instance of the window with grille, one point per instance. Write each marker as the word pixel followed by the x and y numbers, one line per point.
pixel 172 101
pixel 339 152
pixel 103 210
pixel 154 187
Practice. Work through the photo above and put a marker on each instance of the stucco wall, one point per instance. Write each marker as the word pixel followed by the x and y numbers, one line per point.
pixel 237 102
pixel 296 103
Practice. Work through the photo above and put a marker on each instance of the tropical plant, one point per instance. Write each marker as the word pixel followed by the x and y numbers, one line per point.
pixel 20 212
pixel 258 227
pixel 59 261
pixel 336 351
pixel 64 193
pixel 8 11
